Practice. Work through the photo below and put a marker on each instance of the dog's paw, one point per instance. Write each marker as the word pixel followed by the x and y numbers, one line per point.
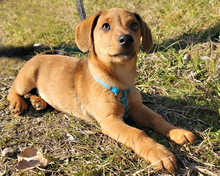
pixel 161 158
pixel 181 136
pixel 18 106
pixel 37 102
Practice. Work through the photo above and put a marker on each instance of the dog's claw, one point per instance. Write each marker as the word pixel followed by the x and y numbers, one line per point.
pixel 37 106
pixel 16 112
pixel 35 101
pixel 11 108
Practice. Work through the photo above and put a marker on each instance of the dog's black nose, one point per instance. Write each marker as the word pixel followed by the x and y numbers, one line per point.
pixel 125 39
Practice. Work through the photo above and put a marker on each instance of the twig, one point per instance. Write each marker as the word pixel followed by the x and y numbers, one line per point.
pixel 47 170
pixel 81 10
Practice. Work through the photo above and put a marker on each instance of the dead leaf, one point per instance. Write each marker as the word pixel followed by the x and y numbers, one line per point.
pixel 31 158
pixel 8 152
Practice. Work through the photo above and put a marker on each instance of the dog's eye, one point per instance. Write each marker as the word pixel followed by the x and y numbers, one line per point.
pixel 134 26
pixel 106 27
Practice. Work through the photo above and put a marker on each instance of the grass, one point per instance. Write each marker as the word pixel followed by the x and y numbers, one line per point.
pixel 47 22
pixel 179 79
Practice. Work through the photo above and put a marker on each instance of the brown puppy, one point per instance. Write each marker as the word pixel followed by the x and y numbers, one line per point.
pixel 100 86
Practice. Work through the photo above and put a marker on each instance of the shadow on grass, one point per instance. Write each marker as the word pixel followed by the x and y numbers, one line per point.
pixel 181 42
pixel 34 49
pixel 184 113
pixel 190 38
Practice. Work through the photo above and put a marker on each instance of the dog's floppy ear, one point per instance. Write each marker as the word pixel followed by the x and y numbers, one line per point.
pixel 84 32
pixel 147 40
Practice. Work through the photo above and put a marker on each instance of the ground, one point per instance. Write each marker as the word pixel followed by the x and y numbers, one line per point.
pixel 179 79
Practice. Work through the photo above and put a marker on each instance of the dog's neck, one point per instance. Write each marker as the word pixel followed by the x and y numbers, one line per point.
pixel 113 74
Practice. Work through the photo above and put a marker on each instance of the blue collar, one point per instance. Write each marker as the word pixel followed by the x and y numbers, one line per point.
pixel 116 90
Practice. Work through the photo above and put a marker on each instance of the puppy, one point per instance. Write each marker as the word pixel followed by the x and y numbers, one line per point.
pixel 101 87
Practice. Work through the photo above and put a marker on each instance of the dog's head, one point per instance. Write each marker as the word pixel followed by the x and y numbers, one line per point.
pixel 113 34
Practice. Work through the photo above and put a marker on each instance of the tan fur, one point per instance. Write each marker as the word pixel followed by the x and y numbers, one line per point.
pixel 68 85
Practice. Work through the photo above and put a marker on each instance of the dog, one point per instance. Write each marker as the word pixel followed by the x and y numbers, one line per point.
pixel 101 87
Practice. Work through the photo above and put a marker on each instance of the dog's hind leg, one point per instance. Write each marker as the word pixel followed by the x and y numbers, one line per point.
pixel 37 102
pixel 23 84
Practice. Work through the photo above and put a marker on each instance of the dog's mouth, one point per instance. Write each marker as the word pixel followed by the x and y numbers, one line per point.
pixel 123 56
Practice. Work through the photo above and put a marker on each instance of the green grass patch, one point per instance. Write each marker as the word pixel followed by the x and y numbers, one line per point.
pixel 179 79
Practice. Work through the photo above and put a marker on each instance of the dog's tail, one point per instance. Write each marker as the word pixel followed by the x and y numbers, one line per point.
pixel 19 51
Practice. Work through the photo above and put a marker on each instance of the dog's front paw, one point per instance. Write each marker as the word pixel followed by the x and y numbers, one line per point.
pixel 161 158
pixel 37 102
pixel 18 106
pixel 181 136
